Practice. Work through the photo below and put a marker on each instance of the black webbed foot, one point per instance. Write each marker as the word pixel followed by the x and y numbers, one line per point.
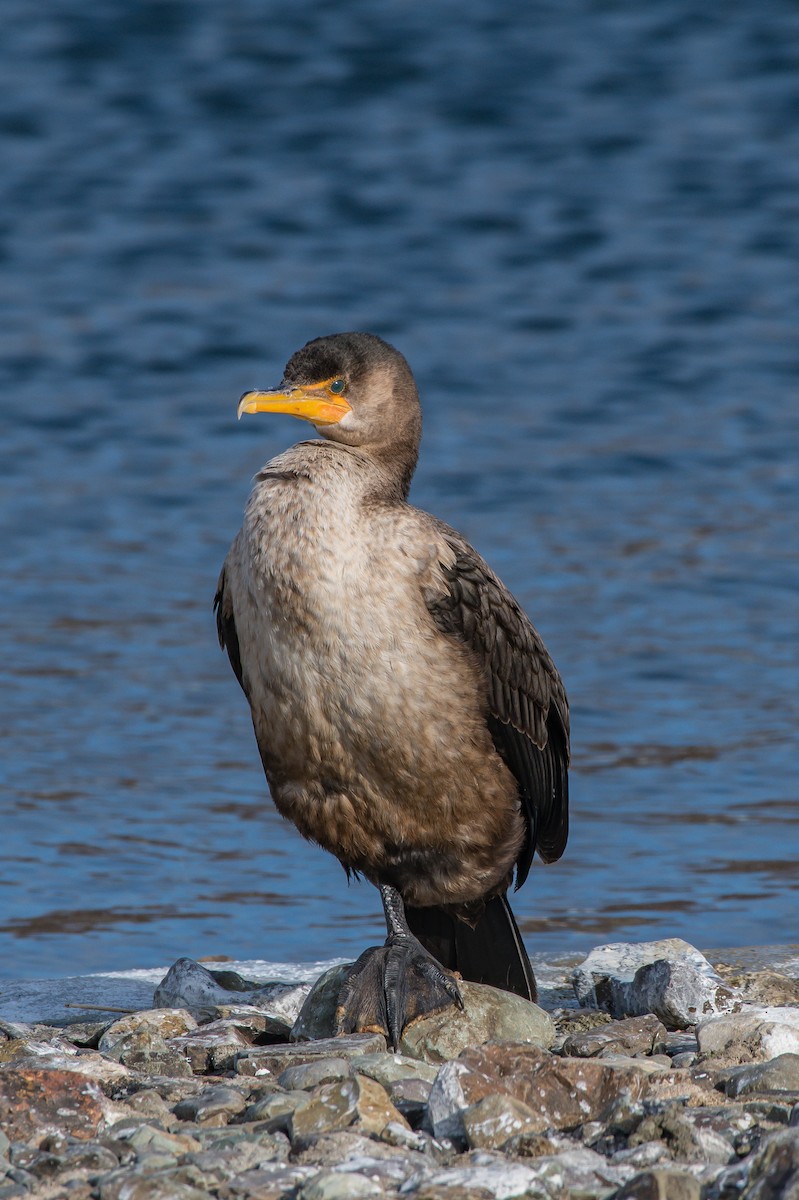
pixel 393 985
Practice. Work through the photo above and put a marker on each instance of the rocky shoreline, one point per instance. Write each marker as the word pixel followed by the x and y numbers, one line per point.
pixel 655 1075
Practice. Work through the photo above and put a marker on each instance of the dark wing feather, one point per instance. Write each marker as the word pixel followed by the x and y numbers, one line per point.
pixel 226 625
pixel 527 709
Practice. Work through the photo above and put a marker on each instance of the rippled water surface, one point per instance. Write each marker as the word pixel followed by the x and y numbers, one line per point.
pixel 581 225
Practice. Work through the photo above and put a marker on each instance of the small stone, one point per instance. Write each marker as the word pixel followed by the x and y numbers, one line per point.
pixel 214 1105
pixel 339 1185
pixel 359 1102
pixel 778 1074
pixel 166 1023
pixel 492 1121
pixel 263 1026
pixel 489 1015
pixel 275 1059
pixel 276 1109
pixel 389 1068
pixel 159 1141
pixel 662 1183
pixel 211 1048
pixel 410 1097
pixel 271 1181
pixel 634 1035
pixel 309 1075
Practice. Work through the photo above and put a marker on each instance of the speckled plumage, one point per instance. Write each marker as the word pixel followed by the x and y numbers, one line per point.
pixel 408 716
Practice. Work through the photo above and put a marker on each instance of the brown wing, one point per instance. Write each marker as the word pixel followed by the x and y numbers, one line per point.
pixel 226 625
pixel 528 713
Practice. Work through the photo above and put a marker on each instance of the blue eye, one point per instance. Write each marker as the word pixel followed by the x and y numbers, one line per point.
pixel 337 386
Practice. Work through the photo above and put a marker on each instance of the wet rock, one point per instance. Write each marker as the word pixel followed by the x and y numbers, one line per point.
pixel 277 1058
pixel 668 978
pixel 492 1121
pixel 358 1102
pixel 35 1101
pixel 489 1015
pixel 189 985
pixel 756 1034
pixel 663 1183
pixel 309 1075
pixel 212 1106
pixel 778 1074
pixel 634 1035
pixel 317 1017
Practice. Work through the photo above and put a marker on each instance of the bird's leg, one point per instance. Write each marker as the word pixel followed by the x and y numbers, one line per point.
pixel 392 985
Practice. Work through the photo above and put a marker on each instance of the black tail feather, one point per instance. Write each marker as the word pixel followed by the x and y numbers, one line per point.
pixel 492 952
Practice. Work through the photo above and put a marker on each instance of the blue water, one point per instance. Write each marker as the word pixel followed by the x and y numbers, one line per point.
pixel 580 223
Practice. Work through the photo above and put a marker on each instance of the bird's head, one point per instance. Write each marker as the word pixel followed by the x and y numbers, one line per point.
pixel 355 388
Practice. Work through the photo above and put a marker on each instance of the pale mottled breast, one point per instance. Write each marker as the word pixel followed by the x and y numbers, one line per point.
pixel 336 641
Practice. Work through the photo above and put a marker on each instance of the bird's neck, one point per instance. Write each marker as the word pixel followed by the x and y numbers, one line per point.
pixel 382 473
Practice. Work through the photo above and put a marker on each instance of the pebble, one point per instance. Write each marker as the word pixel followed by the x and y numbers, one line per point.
pixel 212 1101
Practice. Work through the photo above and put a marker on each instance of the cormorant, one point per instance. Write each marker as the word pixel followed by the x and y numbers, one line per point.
pixel 408 716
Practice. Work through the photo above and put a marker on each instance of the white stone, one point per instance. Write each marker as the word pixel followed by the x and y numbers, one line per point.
pixel 759 1032
pixel 669 978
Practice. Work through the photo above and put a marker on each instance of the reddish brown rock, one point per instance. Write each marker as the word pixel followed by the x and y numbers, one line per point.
pixel 38 1101
pixel 563 1092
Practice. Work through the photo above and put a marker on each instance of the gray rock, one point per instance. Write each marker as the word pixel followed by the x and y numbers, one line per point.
pixel 277 1058
pixel 310 1074
pixel 211 1048
pixel 635 1035
pixel 389 1068
pixel 773 1172
pixel 668 978
pixel 757 1033
pixel 410 1097
pixel 779 1074
pixel 494 1120
pixel 214 1105
pixel 317 1017
pixel 663 1183
pixel 359 1102
pixel 339 1185
pixel 187 984
pixel 489 1015
pixel 448 1102
pixel 275 1110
